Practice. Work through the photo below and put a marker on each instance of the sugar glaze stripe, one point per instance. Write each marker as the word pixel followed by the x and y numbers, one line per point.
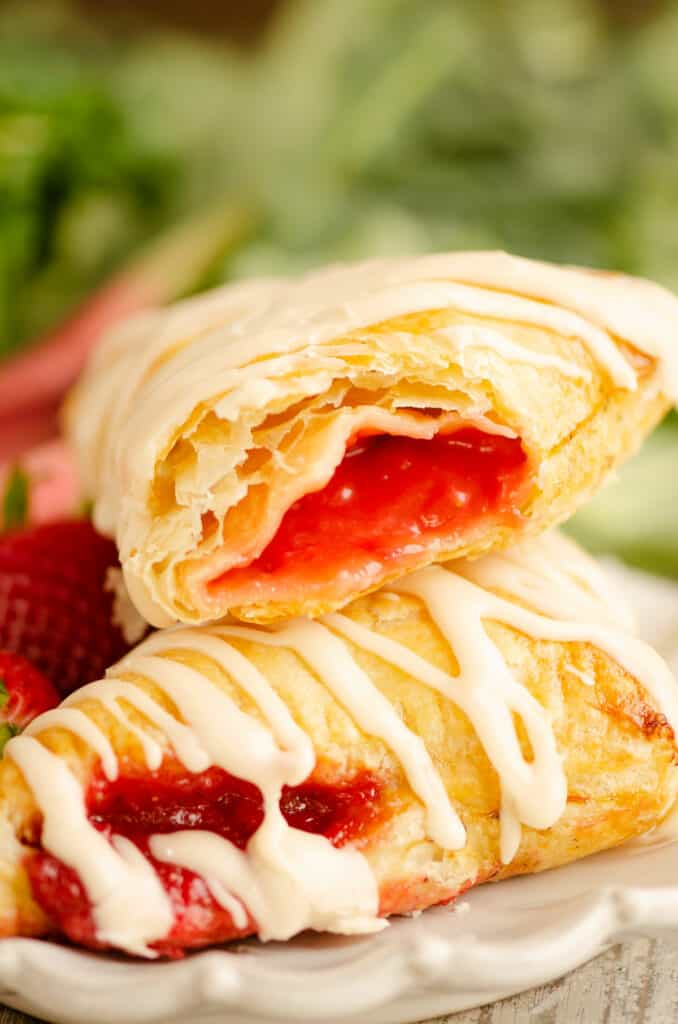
pixel 288 880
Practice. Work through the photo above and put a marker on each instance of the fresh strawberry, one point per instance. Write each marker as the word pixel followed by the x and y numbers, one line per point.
pixel 57 605
pixel 24 694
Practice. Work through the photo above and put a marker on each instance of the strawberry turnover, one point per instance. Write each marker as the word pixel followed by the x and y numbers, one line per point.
pixel 278 448
pixel 472 722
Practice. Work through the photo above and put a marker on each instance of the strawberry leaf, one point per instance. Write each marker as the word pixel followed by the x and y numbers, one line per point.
pixel 15 500
pixel 4 693
pixel 7 731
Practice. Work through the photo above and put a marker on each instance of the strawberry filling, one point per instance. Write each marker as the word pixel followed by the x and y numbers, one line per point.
pixel 138 807
pixel 390 500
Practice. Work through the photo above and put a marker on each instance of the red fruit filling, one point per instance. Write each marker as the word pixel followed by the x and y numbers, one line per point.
pixel 139 807
pixel 390 499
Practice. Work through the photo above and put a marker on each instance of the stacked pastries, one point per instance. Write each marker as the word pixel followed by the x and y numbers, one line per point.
pixel 308 750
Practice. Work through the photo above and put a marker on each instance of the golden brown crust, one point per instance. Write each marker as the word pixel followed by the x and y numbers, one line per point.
pixel 619 753
pixel 568 475
pixel 619 758
pixel 215 480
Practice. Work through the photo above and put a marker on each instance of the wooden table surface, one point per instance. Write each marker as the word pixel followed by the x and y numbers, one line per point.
pixel 636 983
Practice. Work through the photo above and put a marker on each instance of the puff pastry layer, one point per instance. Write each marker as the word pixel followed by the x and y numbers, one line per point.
pixel 477 722
pixel 278 447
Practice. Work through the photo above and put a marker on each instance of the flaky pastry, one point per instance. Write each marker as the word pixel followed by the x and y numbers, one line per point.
pixel 279 447
pixel 474 721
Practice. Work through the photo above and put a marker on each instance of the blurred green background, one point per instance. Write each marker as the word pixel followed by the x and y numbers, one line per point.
pixel 347 128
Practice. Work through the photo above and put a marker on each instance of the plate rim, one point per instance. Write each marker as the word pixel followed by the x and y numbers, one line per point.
pixel 412 964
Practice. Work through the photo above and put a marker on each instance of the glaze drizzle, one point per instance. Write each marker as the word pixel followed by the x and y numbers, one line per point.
pixel 286 879
pixel 256 346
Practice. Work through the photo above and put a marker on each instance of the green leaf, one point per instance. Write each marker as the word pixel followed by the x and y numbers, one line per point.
pixel 15 500
pixel 7 731
pixel 4 693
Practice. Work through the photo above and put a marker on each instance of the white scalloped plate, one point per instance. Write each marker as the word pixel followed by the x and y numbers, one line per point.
pixel 500 940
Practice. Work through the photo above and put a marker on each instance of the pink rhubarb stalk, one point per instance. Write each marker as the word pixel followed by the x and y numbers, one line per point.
pixel 36 379
pixel 51 480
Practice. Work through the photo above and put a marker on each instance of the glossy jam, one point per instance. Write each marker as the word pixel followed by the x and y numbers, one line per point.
pixel 388 499
pixel 141 806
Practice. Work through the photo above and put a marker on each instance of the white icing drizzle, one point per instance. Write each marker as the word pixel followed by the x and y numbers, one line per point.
pixel 331 660
pixel 286 879
pixel 552 575
pixel 444 593
pixel 510 831
pixel 224 361
pixel 486 691
pixel 249 678
pixel 480 301
pixel 257 343
pixel 283 877
pixel 78 722
pixel 152 750
pixel 184 741
pixel 465 336
pixel 131 908
pixel 276 859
